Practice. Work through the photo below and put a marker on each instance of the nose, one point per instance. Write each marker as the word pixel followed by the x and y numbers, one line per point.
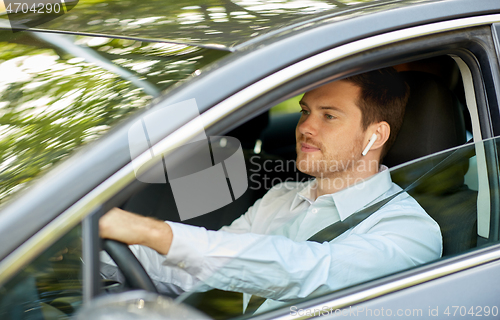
pixel 306 126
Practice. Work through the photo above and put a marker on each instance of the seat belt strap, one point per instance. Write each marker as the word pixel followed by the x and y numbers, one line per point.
pixel 336 229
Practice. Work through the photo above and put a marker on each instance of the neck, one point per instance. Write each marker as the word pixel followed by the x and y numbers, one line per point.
pixel 336 181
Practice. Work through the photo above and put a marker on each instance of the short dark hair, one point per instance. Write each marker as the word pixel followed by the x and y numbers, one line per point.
pixel 383 97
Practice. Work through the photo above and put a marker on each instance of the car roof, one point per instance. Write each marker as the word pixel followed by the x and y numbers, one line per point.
pixel 224 25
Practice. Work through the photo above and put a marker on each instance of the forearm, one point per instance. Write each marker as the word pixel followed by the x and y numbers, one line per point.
pixel 157 236
pixel 133 229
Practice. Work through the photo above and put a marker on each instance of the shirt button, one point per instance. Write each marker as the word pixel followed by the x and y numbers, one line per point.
pixel 181 265
pixel 314 210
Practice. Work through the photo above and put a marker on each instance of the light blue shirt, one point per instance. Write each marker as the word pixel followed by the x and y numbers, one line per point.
pixel 265 252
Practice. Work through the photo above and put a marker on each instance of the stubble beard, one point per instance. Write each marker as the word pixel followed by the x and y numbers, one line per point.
pixel 332 165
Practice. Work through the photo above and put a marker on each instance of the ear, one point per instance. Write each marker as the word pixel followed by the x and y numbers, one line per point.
pixel 382 130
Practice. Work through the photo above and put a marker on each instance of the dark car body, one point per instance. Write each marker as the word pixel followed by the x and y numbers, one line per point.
pixel 264 63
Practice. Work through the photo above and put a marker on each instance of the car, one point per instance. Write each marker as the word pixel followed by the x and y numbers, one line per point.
pixel 79 89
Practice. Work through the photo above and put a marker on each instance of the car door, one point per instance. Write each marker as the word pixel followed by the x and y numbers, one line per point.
pixel 476 70
pixel 464 283
pixel 447 43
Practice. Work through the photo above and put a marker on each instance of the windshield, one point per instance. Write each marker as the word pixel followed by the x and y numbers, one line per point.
pixel 58 92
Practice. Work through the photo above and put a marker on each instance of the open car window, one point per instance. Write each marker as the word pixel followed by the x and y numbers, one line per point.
pixel 444 184
pixel 448 181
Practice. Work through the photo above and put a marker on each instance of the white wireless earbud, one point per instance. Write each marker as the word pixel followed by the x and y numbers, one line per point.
pixel 372 140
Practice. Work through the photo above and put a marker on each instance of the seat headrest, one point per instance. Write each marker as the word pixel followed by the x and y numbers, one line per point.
pixel 433 120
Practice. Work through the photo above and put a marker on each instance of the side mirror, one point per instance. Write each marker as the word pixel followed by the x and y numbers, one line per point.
pixel 135 305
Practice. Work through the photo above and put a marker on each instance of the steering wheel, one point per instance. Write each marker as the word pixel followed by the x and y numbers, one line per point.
pixel 127 262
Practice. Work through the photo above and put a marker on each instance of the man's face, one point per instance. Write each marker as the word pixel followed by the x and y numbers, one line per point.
pixel 330 137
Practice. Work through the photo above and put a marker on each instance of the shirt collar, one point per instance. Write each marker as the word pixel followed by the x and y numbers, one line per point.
pixel 351 199
pixel 307 193
pixel 355 197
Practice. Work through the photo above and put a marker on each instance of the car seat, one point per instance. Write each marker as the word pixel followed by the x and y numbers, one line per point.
pixel 433 122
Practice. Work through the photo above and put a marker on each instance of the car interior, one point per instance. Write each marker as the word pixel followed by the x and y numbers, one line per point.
pixel 436 119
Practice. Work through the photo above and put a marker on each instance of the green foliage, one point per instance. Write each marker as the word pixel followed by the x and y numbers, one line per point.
pixel 52 102
pixel 288 106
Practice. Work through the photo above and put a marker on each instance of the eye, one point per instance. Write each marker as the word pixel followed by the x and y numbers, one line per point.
pixel 329 116
pixel 304 112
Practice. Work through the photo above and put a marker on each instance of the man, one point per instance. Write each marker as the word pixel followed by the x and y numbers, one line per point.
pixel 345 129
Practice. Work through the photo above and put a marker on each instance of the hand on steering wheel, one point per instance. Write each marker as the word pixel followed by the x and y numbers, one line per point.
pixel 127 262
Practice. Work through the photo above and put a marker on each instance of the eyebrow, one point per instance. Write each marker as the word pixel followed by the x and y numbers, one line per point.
pixel 324 107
